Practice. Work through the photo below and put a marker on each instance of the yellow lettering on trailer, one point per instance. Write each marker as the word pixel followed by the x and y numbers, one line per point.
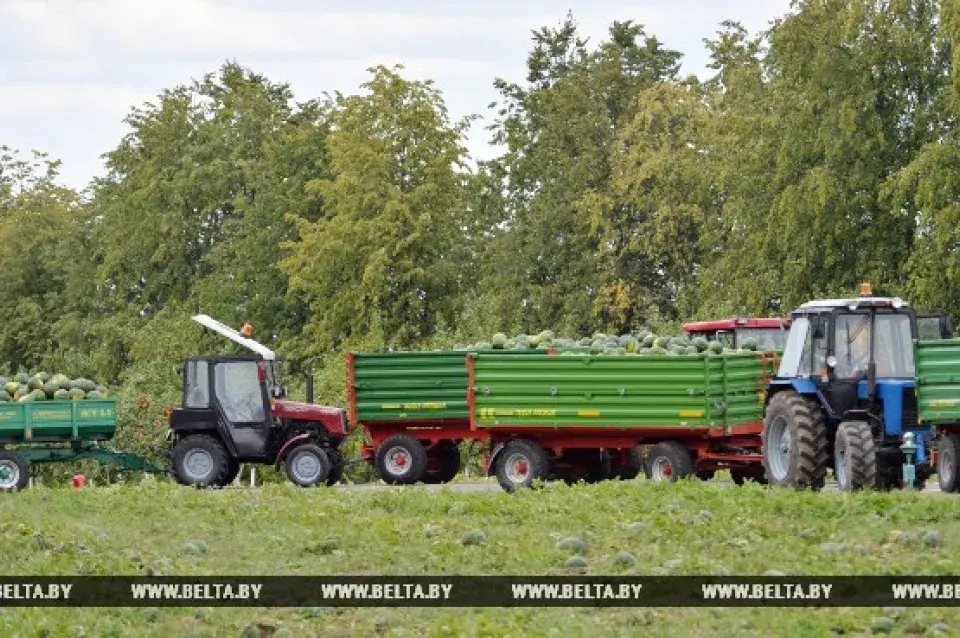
pixel 943 403
pixel 390 406
pixel 588 413
pixel 690 414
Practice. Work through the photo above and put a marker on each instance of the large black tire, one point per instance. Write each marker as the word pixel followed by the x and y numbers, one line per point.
pixel 947 450
pixel 401 460
pixel 629 470
pixel 600 467
pixel 447 455
pixel 14 471
pixel 668 461
pixel 794 442
pixel 336 466
pixel 854 456
pixel 200 460
pixel 307 465
pixel 520 463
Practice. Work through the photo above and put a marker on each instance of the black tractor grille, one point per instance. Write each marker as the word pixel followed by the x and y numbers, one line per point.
pixel 910 408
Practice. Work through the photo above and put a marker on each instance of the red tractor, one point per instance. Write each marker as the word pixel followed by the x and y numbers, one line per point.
pixel 235 411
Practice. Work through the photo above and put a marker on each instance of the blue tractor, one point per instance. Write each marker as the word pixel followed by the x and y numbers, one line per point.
pixel 845 399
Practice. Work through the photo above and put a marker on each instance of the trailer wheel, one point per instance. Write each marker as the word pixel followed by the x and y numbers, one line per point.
pixel 947 449
pixel 401 460
pixel 854 456
pixel 446 455
pixel 200 460
pixel 14 471
pixel 627 464
pixel 794 442
pixel 600 468
pixel 668 461
pixel 307 465
pixel 520 463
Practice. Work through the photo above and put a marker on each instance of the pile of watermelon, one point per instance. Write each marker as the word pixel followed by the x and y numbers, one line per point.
pixel 642 343
pixel 43 387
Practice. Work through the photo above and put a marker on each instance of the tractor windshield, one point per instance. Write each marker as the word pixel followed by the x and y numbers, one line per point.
pixel 891 343
pixel 793 351
pixel 766 338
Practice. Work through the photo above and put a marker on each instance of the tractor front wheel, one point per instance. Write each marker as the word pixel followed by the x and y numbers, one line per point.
pixel 401 460
pixel 854 456
pixel 307 465
pixel 200 460
pixel 794 442
pixel 14 471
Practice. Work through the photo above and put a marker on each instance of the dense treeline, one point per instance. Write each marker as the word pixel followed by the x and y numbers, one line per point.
pixel 817 154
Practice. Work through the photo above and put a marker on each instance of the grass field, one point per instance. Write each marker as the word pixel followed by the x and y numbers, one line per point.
pixel 689 528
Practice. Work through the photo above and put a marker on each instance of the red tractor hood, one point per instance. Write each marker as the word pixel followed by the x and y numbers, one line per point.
pixel 333 419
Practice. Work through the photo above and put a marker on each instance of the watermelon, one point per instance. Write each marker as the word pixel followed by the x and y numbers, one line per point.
pixel 716 347
pixel 22 377
pixel 648 340
pixel 94 394
pixel 84 384
pixel 4 381
pixel 35 383
pixel 76 394
pixel 750 344
pixel 499 341
pixel 38 395
pixel 61 395
pixel 4 396
pixel 11 387
pixel 61 379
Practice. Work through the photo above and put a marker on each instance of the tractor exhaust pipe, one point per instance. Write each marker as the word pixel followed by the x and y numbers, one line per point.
pixel 310 381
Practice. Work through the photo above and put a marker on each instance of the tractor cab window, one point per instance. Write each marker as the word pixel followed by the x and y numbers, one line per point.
pixel 793 351
pixel 766 338
pixel 852 345
pixel 196 388
pixel 239 391
pixel 725 337
pixel 892 348
pixel 814 358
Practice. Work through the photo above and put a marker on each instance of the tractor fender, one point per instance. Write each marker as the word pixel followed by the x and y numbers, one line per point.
pixel 286 448
pixel 492 461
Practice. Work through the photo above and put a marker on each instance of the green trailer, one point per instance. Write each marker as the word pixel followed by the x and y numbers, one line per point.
pixel 558 416
pixel 412 407
pixel 59 431
pixel 938 403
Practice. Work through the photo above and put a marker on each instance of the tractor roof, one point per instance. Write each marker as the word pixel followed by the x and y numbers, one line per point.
pixel 829 304
pixel 736 322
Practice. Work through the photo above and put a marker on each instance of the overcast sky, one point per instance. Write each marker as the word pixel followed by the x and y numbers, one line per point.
pixel 71 69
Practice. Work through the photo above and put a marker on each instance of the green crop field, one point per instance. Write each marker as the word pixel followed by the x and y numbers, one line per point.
pixel 689 528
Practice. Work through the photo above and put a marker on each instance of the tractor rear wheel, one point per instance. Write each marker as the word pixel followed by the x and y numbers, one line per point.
pixel 446 456
pixel 626 464
pixel 854 456
pixel 307 465
pixel 668 461
pixel 200 460
pixel 14 471
pixel 401 460
pixel 520 463
pixel 794 442
pixel 947 450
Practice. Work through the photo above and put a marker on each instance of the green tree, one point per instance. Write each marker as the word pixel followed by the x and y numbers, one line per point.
pixel 385 254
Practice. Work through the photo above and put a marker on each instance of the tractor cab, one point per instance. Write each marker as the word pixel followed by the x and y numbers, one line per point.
pixel 847 377
pixel 933 327
pixel 768 333
pixel 235 410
